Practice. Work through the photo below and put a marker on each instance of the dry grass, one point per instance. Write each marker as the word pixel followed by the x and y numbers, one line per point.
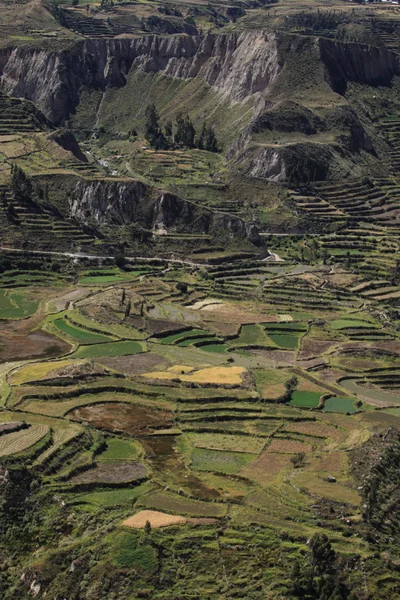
pixel 211 375
pixel 331 463
pixel 37 371
pixel 317 486
pixel 265 468
pixel 19 441
pixel 232 443
pixel 289 446
pixel 314 428
pixel 160 519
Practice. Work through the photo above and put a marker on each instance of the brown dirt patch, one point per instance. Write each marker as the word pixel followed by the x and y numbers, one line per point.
pixel 332 462
pixel 17 342
pixel 287 357
pixel 289 446
pixel 311 348
pixel 127 418
pixel 231 313
pixel 267 465
pixel 112 472
pixel 160 519
pixel 314 428
pixel 135 364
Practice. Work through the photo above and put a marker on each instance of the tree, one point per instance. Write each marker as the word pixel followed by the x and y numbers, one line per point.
pixel 123 295
pixel 128 309
pixel 147 528
pixel 185 131
pixel 181 287
pixel 152 129
pixel 168 132
pixel 211 143
pixel 298 459
pixel 119 259
pixel 322 554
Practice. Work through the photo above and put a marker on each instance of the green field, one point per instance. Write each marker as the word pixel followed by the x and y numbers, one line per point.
pixel 284 341
pixel 16 305
pixel 341 405
pixel 122 348
pixel 120 449
pixel 111 498
pixel 305 399
pixel 220 462
pixel 80 335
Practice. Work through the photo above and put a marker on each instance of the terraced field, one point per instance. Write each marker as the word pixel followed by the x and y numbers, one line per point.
pixel 206 409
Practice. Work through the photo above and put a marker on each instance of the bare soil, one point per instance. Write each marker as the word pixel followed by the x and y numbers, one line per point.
pixel 112 472
pixel 136 364
pixel 18 342
pixel 125 418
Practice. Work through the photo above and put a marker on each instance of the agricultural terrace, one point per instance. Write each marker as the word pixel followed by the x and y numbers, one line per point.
pixel 184 408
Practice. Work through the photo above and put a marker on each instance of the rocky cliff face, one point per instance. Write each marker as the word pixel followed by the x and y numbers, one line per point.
pixel 238 65
pixel 359 63
pixel 113 202
pixel 108 202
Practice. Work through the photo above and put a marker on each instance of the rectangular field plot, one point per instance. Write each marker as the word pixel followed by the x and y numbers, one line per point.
pixel 342 405
pixel 220 462
pixel 123 348
pixel 305 399
pixel 319 486
pixel 286 341
pixel 230 443
pixel 111 498
pixel 177 504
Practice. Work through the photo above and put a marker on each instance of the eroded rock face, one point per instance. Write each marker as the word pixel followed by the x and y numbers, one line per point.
pixel 238 65
pixel 107 202
pixel 357 62
pixel 126 202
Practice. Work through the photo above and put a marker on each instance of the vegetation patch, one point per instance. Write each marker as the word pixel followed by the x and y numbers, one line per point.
pixel 109 473
pixel 220 462
pixel 111 498
pixel 305 399
pixel 121 449
pixel 18 441
pixel 80 335
pixel 129 553
pixel 209 375
pixel 122 348
pixel 16 305
pixel 340 405
pixel 178 504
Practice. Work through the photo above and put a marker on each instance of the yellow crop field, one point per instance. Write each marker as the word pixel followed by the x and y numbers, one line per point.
pixel 36 371
pixel 160 519
pixel 21 440
pixel 213 375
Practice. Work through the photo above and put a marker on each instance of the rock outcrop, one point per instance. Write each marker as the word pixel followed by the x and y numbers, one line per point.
pixel 239 65
pixel 346 62
pixel 123 202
